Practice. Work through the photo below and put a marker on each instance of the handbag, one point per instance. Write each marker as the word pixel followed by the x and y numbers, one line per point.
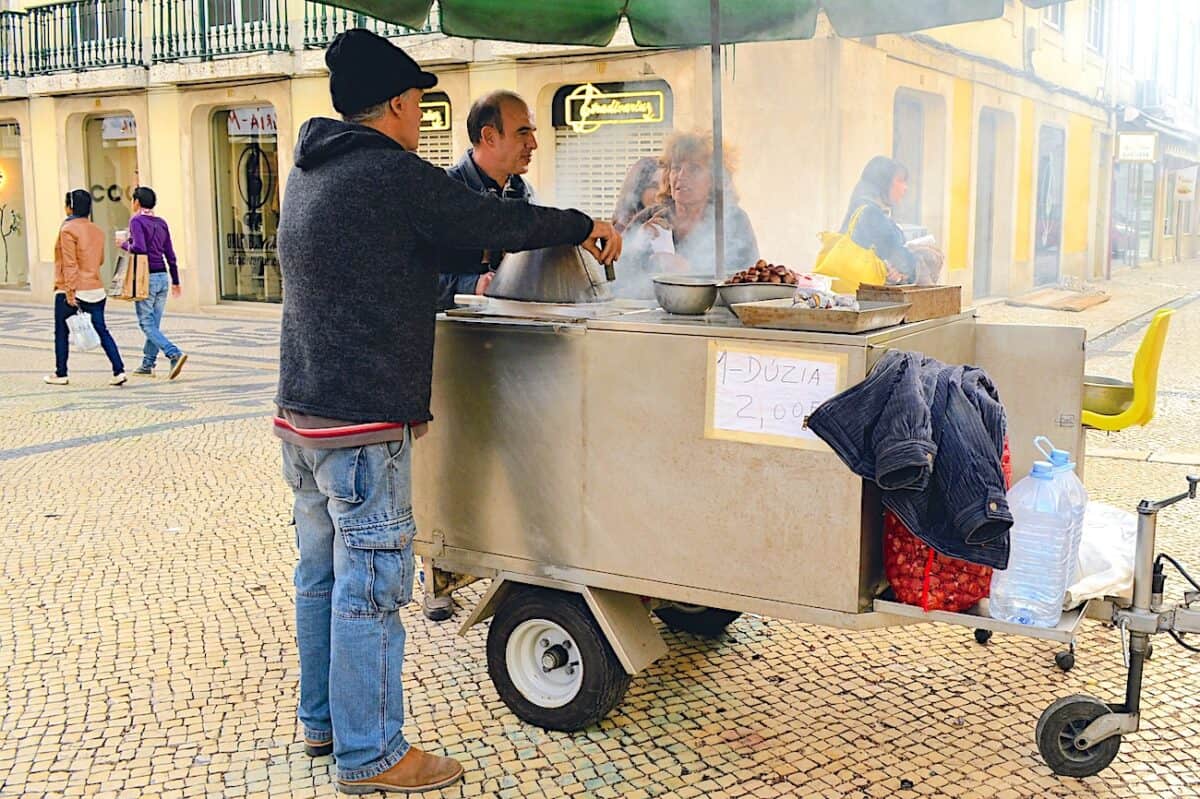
pixel 82 335
pixel 131 278
pixel 847 262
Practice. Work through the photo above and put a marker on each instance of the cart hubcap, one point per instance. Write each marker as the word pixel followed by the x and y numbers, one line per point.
pixel 543 663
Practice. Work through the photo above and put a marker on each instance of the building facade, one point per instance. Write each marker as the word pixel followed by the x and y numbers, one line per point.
pixel 1010 129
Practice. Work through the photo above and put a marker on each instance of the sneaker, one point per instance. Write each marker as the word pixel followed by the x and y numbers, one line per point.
pixel 177 365
pixel 416 772
pixel 142 371
pixel 55 380
pixel 317 748
pixel 119 380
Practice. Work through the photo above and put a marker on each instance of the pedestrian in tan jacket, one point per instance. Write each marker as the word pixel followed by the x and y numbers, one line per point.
pixel 78 255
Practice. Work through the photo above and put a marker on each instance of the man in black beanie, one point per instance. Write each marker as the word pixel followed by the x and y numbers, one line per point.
pixel 362 223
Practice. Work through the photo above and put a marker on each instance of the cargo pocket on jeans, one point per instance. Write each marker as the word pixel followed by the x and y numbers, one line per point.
pixel 380 579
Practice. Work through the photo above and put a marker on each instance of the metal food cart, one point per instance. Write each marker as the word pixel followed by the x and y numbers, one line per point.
pixel 601 463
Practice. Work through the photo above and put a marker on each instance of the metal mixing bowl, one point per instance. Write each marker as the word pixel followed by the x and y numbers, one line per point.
pixel 690 295
pixel 1106 395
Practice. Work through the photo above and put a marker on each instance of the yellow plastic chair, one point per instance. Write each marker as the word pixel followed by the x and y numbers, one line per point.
pixel 1145 381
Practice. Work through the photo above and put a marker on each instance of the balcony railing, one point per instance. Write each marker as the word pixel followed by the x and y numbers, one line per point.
pixel 323 22
pixel 86 34
pixel 13 63
pixel 207 29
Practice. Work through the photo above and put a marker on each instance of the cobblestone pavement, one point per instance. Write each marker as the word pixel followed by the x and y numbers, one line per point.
pixel 146 638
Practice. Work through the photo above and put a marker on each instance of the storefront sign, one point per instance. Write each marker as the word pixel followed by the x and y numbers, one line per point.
pixel 764 395
pixel 1137 146
pixel 435 115
pixel 258 121
pixel 588 108
pixel 1185 184
pixel 118 128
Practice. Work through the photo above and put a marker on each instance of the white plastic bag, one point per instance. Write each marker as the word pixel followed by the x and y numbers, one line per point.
pixel 83 335
pixel 1106 553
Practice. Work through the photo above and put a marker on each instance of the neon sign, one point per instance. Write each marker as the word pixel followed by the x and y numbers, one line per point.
pixel 435 115
pixel 587 108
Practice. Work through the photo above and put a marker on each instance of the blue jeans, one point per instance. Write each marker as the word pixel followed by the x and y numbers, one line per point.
pixel 354 531
pixel 150 314
pixel 62 312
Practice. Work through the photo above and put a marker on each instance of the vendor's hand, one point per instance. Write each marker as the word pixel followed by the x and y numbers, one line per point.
pixel 485 280
pixel 419 430
pixel 659 223
pixel 177 290
pixel 895 277
pixel 71 299
pixel 604 242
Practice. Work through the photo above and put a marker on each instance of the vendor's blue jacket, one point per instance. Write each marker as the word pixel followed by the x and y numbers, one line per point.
pixel 931 436
pixel 461 268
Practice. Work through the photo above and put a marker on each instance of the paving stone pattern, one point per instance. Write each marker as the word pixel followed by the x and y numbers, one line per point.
pixel 146 632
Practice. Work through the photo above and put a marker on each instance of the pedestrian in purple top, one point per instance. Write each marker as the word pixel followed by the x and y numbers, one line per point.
pixel 150 236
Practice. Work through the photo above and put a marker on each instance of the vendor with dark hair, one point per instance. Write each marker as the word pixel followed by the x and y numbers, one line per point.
pixel 501 129
pixel 882 186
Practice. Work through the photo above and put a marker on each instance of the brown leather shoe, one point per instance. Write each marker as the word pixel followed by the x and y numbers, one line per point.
pixel 317 748
pixel 416 772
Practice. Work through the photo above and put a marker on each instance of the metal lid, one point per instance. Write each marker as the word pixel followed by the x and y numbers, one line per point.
pixel 565 274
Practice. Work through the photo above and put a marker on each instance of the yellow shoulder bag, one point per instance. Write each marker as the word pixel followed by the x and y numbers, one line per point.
pixel 847 262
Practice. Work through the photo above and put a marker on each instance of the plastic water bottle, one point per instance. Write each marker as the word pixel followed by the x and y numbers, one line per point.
pixel 1030 591
pixel 1064 471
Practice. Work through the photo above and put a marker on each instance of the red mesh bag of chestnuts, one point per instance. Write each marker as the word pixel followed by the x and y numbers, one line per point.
pixel 921 576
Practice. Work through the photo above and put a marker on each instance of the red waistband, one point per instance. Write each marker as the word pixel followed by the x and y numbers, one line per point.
pixel 338 432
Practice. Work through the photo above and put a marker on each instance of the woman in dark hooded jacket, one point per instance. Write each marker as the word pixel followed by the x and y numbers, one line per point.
pixel 882 186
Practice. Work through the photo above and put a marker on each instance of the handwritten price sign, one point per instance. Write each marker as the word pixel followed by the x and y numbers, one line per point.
pixel 764 395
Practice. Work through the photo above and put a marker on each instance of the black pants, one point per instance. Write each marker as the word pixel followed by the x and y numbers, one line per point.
pixel 62 312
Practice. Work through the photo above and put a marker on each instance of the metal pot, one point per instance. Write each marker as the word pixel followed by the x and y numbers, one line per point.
pixel 685 294
pixel 564 274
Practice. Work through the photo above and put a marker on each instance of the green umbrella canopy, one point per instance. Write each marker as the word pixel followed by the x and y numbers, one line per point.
pixel 673 23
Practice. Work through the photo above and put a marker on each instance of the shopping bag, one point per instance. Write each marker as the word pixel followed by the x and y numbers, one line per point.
pixel 928 579
pixel 848 263
pixel 82 333
pixel 131 278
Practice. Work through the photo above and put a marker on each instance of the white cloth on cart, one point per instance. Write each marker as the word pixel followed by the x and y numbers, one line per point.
pixel 1106 552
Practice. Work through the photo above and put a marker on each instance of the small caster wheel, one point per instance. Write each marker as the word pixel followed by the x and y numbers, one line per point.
pixel 1149 651
pixel 1065 660
pixel 983 636
pixel 1057 733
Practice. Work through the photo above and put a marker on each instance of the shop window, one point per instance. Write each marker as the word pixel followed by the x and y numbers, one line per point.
pixel 246 175
pixel 600 130
pixel 112 174
pixel 1095 35
pixel 14 248
pixel 1054 16
pixel 1048 245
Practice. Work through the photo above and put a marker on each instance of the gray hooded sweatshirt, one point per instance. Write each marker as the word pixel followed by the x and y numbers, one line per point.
pixel 360 230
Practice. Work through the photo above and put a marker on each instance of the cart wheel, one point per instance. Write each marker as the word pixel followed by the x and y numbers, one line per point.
pixel 983 636
pixel 550 661
pixel 1149 651
pixel 1064 660
pixel 696 619
pixel 1056 732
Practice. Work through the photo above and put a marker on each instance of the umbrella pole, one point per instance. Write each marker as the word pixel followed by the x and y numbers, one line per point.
pixel 718 161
